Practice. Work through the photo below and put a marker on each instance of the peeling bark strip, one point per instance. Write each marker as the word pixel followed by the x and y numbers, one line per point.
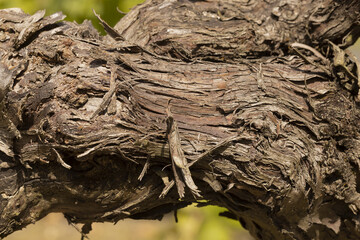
pixel 178 158
pixel 108 96
pixel 264 116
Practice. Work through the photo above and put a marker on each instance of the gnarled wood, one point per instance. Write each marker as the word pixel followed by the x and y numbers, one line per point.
pixel 204 100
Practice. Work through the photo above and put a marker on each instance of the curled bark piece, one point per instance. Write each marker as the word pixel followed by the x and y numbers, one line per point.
pixel 111 31
pixel 179 161
pixel 60 160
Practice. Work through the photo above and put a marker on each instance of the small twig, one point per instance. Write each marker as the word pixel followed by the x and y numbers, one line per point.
pixel 85 230
pixel 311 62
pixel 168 184
pixel 145 168
pixel 212 150
pixel 167 188
pixel 83 236
pixel 87 152
pixel 60 160
pixel 311 49
pixel 125 157
pixel 111 31
pixel 107 97
pixel 176 216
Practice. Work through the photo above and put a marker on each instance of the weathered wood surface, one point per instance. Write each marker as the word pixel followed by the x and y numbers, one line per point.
pixel 250 105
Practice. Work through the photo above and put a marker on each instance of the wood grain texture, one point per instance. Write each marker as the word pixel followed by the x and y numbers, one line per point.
pixel 268 131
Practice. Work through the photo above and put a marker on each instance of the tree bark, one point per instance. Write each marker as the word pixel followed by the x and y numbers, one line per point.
pixel 250 105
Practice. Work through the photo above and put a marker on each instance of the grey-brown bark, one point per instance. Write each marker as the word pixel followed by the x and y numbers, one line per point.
pixel 223 101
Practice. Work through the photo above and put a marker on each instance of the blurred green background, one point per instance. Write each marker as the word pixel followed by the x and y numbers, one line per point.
pixel 77 10
pixel 194 223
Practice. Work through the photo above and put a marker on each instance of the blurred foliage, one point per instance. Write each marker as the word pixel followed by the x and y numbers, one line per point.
pixel 194 223
pixel 205 224
pixel 76 10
